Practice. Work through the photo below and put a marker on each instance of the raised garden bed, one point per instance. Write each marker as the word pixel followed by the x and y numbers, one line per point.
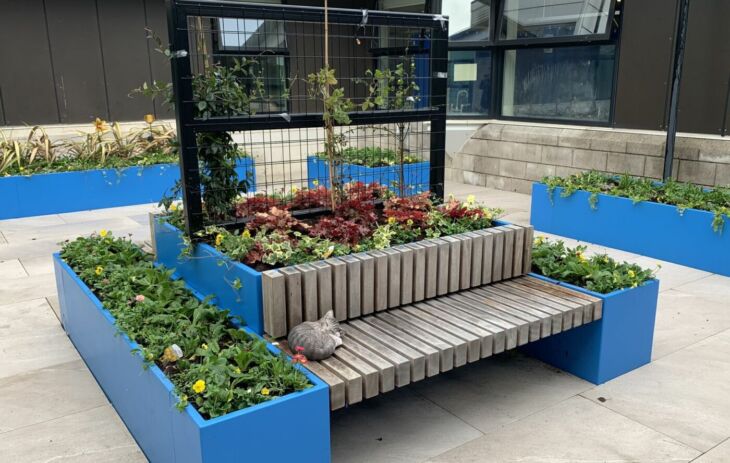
pixel 146 400
pixel 622 339
pixel 416 174
pixel 646 228
pixel 54 193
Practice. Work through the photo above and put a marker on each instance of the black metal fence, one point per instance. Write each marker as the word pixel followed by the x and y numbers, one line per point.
pixel 260 81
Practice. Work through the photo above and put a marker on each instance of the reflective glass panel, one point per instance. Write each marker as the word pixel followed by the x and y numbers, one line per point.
pixel 469 90
pixel 526 19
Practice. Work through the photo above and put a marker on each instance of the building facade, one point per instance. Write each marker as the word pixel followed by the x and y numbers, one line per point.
pixel 536 87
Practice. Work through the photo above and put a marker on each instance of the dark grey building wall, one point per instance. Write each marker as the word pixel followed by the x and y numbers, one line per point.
pixel 68 61
pixel 646 61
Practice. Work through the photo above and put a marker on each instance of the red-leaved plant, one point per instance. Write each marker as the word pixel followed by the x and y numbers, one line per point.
pixel 256 204
pixel 276 220
pixel 310 198
pixel 340 230
pixel 414 208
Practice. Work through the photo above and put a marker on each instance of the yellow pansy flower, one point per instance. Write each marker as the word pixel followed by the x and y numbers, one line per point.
pixel 471 199
pixel 631 273
pixel 103 233
pixel 409 222
pixel 315 182
pixel 149 118
pixel 204 346
pixel 391 220
pixel 580 256
pixel 265 391
pixel 99 270
pixel 246 233
pixel 173 207
pixel 199 386
pixel 294 190
pixel 218 239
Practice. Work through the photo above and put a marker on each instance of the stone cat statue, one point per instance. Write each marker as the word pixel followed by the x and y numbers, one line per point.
pixel 319 339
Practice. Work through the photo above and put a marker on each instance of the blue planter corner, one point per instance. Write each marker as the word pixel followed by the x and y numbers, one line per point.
pixel 145 400
pixel 619 342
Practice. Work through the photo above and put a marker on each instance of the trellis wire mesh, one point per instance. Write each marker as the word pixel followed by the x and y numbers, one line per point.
pixel 249 71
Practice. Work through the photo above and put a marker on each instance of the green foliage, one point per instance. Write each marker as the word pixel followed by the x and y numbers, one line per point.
pixel 335 112
pixel 222 368
pixel 217 156
pixel 683 195
pixel 598 273
pixel 371 157
pixel 105 148
pixel 228 91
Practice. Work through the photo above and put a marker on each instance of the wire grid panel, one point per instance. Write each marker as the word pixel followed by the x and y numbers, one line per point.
pixel 249 71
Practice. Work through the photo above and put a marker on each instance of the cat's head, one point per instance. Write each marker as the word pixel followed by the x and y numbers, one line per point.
pixel 330 324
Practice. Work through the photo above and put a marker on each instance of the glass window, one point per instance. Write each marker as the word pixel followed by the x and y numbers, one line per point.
pixel 469 90
pixel 468 19
pixel 251 34
pixel 526 19
pixel 572 83
pixel 409 6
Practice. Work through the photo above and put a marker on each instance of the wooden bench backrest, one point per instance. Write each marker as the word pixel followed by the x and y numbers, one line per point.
pixel 360 284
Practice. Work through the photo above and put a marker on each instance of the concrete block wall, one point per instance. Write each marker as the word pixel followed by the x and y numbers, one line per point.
pixel 512 156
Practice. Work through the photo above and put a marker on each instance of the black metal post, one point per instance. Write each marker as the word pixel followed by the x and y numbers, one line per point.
pixel 439 73
pixel 679 46
pixel 183 94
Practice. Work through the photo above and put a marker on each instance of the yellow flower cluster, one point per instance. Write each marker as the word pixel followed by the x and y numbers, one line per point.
pixel 99 270
pixel 199 386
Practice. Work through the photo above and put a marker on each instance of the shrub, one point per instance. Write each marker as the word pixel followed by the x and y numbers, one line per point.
pixel 340 230
pixel 599 273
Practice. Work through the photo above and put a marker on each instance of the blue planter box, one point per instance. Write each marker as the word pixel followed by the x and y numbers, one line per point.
pixel 646 228
pixel 234 286
pixel 55 193
pixel 616 344
pixel 417 176
pixel 145 401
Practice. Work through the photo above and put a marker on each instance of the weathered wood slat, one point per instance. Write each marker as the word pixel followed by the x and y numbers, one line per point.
pixel 336 384
pixel 547 299
pixel 477 258
pixel 408 362
pixel 534 323
pixel 370 376
pixel 521 297
pixel 509 251
pixel 466 257
pixel 419 271
pixel 353 381
pixel 393 282
pixel 527 253
pixel 339 287
pixel 522 326
pixel 367 283
pixel 487 255
pixel 454 267
pixel 592 312
pixel 388 331
pixel 310 300
pixel 354 286
pixel 324 287
pixel 548 319
pixel 273 287
pixel 431 268
pixel 442 266
pixel 386 370
pixel 293 280
pixel 406 274
pixel 468 306
pixel 496 333
pixel 497 254
pixel 381 280
pixel 473 341
pixel 432 332
pixel 517 260
pixel 557 316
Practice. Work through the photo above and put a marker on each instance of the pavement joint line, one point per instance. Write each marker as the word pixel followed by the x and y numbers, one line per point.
pixel 77 412
pixel 481 433
pixel 695 281
pixel 674 439
pixel 710 449
pixel 686 347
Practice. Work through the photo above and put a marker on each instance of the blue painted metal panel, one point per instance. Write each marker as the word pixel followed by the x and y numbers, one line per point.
pixel 616 344
pixel 145 400
pixel 646 228
pixel 416 175
pixel 212 273
pixel 54 193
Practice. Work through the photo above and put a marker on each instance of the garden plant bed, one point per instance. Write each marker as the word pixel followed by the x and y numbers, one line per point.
pixel 416 174
pixel 55 193
pixel 146 399
pixel 646 228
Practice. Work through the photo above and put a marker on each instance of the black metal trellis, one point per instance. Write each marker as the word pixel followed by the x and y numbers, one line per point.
pixel 285 42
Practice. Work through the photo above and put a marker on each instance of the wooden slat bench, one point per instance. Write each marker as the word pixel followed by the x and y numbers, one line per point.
pixel 399 346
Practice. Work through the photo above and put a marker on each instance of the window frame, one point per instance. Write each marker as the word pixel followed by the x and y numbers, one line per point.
pixel 498 48
pixel 547 41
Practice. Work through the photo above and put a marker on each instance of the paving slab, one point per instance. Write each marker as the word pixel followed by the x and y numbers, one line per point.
pixel 97 214
pixel 397 427
pixel 684 319
pixel 714 287
pixel 27 288
pixel 62 390
pixel 55 305
pixel 12 269
pixel 38 265
pixel 571 431
pixel 500 390
pixel 91 436
pixel 119 225
pixel 683 395
pixel 28 249
pixel 26 223
pixel 31 338
pixel 2 239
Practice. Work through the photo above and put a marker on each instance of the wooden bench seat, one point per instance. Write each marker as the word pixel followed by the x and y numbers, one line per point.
pixel 400 346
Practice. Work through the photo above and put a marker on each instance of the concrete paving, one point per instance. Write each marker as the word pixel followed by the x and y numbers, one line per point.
pixel 506 408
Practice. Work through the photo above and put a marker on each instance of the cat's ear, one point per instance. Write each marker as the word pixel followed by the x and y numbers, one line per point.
pixel 329 314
